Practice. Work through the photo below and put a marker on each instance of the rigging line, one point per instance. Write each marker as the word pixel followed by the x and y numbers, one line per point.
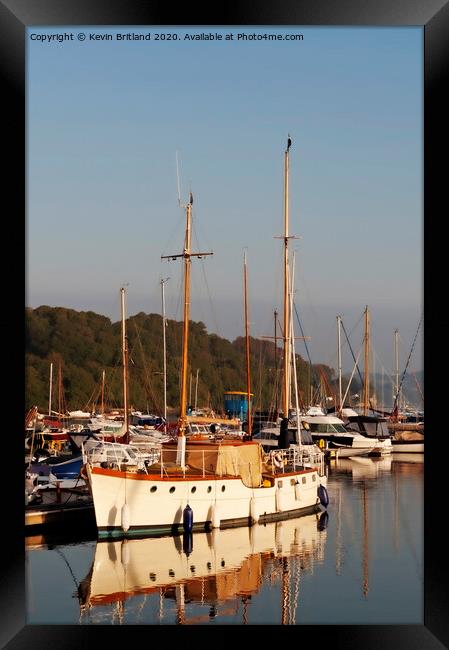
pixel 406 365
pixel 178 228
pixel 68 565
pixel 197 242
pixel 357 324
pixel 212 306
pixel 352 353
pixel 195 233
pixel 314 372
pixel 90 400
pixel 156 403
pixel 382 367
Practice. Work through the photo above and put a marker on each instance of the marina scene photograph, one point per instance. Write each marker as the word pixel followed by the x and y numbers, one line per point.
pixel 224 391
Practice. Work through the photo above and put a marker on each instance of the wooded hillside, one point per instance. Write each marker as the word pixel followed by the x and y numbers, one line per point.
pixel 83 344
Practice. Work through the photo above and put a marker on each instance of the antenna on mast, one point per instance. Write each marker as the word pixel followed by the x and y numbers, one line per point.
pixel 177 176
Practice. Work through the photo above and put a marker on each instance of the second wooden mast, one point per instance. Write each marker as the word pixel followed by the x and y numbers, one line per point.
pixel 186 255
pixel 287 315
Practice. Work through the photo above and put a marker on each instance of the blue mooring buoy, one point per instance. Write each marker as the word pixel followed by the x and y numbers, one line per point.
pixel 323 496
pixel 187 519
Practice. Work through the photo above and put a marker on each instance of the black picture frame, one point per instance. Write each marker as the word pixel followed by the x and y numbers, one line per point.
pixel 15 17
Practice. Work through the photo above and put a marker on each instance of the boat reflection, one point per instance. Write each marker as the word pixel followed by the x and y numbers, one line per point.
pixel 409 458
pixel 362 468
pixel 209 569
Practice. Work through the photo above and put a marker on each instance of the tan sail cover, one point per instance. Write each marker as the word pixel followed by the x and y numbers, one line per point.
pixel 409 436
pixel 223 459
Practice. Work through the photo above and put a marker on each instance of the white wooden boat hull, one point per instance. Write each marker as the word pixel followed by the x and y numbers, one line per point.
pixel 405 447
pixel 349 452
pixel 155 505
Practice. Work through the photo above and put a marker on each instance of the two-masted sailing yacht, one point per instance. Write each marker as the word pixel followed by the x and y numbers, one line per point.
pixel 198 484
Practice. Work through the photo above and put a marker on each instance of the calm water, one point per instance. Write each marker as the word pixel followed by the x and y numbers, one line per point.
pixel 362 563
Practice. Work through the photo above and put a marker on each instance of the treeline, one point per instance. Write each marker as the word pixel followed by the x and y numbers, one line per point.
pixel 81 345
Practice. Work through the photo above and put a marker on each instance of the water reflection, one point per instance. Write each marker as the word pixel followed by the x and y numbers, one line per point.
pixel 361 467
pixel 365 473
pixel 220 571
pixel 359 563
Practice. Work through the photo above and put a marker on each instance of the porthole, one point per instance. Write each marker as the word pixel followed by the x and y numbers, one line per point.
pixel 152 577
pixel 154 488
pixel 171 573
pixel 313 477
pixel 193 489
pixel 172 489
pixel 304 479
pixel 222 563
pixel 209 488
pixel 209 566
pixel 223 488
pixel 192 568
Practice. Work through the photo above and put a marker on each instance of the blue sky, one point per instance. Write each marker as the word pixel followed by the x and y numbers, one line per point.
pixel 105 120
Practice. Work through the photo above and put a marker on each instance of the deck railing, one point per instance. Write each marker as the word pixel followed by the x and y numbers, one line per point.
pixel 146 455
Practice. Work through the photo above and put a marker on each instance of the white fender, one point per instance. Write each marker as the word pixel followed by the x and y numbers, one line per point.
pixel 298 490
pixel 278 459
pixel 125 517
pixel 215 516
pixel 253 510
pixel 278 496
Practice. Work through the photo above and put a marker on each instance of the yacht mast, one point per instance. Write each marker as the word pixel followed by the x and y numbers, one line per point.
pixel 248 367
pixel 276 385
pixel 196 389
pixel 295 376
pixel 286 386
pixel 340 404
pixel 366 381
pixel 185 338
pixel 59 389
pixel 102 392
pixel 396 354
pixel 186 255
pixel 50 390
pixel 164 325
pixel 124 361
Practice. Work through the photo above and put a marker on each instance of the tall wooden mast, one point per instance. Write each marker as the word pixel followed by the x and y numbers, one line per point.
pixel 276 385
pixel 286 385
pixel 124 361
pixel 248 367
pixel 50 389
pixel 340 404
pixel 186 255
pixel 366 380
pixel 185 334
pixel 164 327
pixel 396 354
pixel 59 389
pixel 102 392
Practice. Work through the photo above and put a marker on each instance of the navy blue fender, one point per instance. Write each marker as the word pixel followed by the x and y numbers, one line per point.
pixel 323 496
pixel 187 519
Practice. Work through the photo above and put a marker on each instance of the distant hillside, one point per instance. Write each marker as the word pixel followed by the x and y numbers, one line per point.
pixel 83 344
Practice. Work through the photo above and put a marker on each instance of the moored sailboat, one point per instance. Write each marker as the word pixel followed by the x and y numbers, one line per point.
pixel 198 484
